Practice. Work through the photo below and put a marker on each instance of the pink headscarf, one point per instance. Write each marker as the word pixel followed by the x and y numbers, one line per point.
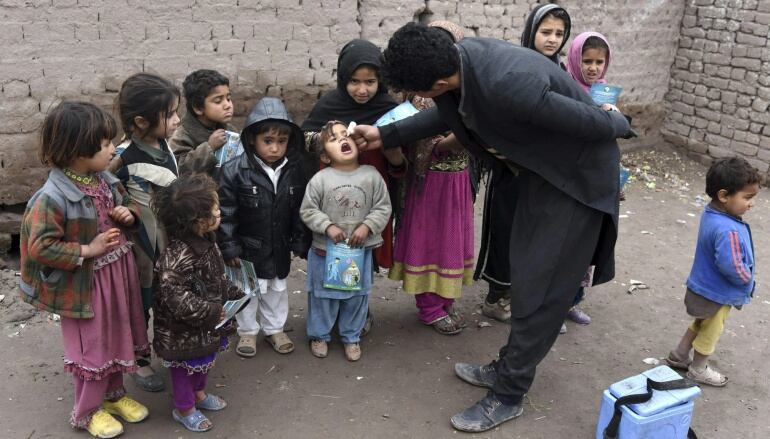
pixel 575 59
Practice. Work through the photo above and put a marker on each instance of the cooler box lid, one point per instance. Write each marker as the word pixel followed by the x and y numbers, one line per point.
pixel 661 400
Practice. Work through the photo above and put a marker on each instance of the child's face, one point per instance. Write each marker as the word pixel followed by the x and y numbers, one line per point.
pixel 740 202
pixel 99 161
pixel 217 107
pixel 549 35
pixel 592 64
pixel 271 146
pixel 167 126
pixel 363 84
pixel 211 223
pixel 339 149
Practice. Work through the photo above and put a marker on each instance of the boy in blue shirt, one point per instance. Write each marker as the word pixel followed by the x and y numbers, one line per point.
pixel 722 274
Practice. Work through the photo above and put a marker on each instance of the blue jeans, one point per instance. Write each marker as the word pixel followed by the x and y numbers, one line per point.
pixel 350 314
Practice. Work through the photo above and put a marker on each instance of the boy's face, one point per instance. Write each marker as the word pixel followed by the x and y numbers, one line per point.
pixel 217 107
pixel 271 146
pixel 339 149
pixel 363 84
pixel 549 35
pixel 592 64
pixel 740 202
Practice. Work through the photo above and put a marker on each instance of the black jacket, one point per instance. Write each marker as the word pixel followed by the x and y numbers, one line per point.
pixel 260 224
pixel 522 104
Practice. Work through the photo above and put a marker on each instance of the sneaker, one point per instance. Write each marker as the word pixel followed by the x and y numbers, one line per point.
pixel 103 425
pixel 563 329
pixel 578 316
pixel 319 348
pixel 127 408
pixel 500 310
pixel 485 415
pixel 352 351
pixel 482 376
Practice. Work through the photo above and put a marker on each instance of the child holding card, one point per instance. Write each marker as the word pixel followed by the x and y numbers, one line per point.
pixel 349 202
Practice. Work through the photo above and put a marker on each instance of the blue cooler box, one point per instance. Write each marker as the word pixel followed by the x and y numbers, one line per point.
pixel 666 415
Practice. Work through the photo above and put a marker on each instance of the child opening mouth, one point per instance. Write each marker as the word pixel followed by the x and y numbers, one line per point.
pixel 345 147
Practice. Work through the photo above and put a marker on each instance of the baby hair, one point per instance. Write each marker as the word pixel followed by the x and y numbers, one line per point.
pixel 198 84
pixel 72 130
pixel 731 174
pixel 181 205
pixel 595 43
pixel 324 135
pixel 283 129
pixel 148 96
pixel 560 14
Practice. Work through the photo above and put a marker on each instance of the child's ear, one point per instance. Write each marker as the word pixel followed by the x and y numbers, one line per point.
pixel 141 123
pixel 197 111
pixel 722 195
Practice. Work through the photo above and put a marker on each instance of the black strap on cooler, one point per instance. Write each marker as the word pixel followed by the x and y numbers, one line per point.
pixel 611 432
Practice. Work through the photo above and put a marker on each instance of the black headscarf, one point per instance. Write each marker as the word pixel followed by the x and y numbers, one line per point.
pixel 338 104
pixel 533 22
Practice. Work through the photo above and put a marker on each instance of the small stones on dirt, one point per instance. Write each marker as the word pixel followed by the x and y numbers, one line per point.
pixel 483 324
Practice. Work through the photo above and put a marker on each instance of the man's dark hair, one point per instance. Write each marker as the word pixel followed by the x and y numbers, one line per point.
pixel 731 174
pixel 181 205
pixel 198 84
pixel 417 56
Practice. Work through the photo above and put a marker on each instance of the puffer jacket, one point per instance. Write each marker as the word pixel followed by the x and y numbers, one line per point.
pixel 191 288
pixel 260 223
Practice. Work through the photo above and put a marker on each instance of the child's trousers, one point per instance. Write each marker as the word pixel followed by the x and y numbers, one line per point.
pixel 709 330
pixel 184 385
pixel 350 315
pixel 90 394
pixel 267 311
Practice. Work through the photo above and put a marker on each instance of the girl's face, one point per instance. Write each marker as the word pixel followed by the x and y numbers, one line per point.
pixel 549 36
pixel 592 64
pixel 98 162
pixel 167 126
pixel 212 222
pixel 339 149
pixel 363 84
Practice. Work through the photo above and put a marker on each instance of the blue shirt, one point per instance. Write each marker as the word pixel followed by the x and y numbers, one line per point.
pixel 723 268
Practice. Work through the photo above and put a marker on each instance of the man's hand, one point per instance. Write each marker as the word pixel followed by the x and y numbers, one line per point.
pixel 335 233
pixel 217 139
pixel 367 137
pixel 359 236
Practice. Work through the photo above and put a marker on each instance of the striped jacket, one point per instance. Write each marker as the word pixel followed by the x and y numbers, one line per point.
pixel 723 268
pixel 58 219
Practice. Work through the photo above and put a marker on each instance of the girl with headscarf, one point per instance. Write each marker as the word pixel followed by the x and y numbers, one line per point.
pixel 546 31
pixel 434 266
pixel 588 59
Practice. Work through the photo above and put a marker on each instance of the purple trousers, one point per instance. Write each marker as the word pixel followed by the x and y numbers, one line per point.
pixel 431 307
pixel 184 385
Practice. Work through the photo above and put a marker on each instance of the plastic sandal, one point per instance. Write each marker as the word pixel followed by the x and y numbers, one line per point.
pixel 211 402
pixel 280 342
pixel 247 346
pixel 446 326
pixel 707 376
pixel 676 363
pixel 192 421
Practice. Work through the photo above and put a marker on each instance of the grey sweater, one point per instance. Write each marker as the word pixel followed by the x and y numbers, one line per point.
pixel 346 199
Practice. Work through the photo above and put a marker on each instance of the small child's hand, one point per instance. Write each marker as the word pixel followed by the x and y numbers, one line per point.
pixel 217 139
pixel 335 233
pixel 609 107
pixel 234 262
pixel 101 243
pixel 359 236
pixel 122 215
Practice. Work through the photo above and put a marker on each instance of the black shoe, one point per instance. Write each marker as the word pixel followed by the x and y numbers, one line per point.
pixel 485 414
pixel 482 376
pixel 367 324
pixel 150 383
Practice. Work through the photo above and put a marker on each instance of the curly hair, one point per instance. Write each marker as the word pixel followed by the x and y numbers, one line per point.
pixel 731 174
pixel 181 205
pixel 198 84
pixel 417 56
pixel 72 130
pixel 324 134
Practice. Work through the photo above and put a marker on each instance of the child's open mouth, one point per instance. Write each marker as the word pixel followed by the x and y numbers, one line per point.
pixel 345 148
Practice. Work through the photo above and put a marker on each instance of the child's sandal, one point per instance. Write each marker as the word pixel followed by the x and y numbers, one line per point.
pixel 676 363
pixel 280 342
pixel 446 326
pixel 707 376
pixel 193 421
pixel 211 402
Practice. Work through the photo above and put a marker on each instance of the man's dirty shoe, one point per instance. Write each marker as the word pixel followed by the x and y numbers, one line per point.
pixel 127 408
pixel 485 415
pixel 482 376
pixel 500 310
pixel 103 425
pixel 319 348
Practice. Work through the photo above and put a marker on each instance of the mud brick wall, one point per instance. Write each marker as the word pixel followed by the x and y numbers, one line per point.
pixel 720 82
pixel 82 49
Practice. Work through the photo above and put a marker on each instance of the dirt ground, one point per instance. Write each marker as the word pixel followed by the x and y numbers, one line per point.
pixel 404 385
